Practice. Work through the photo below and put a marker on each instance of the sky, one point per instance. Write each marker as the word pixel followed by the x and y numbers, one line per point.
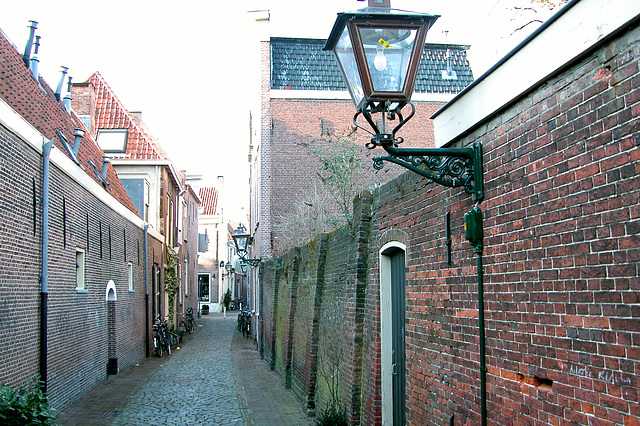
pixel 185 65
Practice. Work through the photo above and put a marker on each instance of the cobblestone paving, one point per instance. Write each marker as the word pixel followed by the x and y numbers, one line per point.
pixel 196 386
pixel 216 378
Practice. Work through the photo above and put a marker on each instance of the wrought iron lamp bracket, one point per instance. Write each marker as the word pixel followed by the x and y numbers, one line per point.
pixel 451 167
pixel 253 262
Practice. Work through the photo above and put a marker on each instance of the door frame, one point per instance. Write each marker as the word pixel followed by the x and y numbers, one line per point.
pixel 392 327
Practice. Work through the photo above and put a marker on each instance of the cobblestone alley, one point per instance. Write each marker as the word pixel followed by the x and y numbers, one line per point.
pixel 215 378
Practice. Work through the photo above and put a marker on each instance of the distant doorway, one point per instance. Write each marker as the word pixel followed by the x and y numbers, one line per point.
pixel 392 312
pixel 204 288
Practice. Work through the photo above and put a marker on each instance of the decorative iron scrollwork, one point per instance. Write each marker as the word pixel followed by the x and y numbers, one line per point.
pixel 452 167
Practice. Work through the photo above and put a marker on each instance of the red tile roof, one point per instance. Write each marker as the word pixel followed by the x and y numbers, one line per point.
pixel 110 113
pixel 38 105
pixel 209 197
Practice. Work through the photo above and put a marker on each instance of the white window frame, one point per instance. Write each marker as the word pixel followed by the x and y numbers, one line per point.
pixel 130 276
pixel 81 285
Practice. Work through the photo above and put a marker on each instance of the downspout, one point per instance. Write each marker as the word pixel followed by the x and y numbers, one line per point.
pixel 146 290
pixel 44 278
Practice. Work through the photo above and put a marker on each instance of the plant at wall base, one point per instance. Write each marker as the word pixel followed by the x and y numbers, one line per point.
pixel 227 299
pixel 332 416
pixel 26 406
pixel 334 413
pixel 171 282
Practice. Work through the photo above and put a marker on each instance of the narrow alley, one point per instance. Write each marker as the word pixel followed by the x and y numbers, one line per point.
pixel 215 378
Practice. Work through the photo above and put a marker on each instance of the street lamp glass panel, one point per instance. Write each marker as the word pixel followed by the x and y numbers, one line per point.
pixel 388 55
pixel 241 241
pixel 347 60
pixel 379 50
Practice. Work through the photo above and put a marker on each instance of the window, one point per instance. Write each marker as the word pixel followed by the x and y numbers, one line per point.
pixel 130 270
pixel 147 189
pixel 112 140
pixel 80 265
pixel 186 277
pixel 203 287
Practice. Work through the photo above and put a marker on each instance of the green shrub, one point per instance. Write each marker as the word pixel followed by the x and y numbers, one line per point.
pixel 332 416
pixel 26 406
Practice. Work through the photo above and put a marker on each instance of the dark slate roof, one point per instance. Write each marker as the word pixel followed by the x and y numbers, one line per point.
pixel 301 64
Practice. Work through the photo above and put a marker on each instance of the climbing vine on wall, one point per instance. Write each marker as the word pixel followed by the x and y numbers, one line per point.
pixel 171 282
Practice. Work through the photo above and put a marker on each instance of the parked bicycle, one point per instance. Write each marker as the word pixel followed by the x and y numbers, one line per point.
pixel 160 340
pixel 244 323
pixel 189 321
pixel 163 339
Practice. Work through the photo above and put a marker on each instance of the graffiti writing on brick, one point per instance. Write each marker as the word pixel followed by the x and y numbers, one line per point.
pixel 609 376
pixel 614 377
pixel 580 371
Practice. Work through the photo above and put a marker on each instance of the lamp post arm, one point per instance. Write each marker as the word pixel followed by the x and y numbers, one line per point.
pixel 452 167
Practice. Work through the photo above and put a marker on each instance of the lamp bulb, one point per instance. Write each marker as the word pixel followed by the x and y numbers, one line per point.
pixel 380 61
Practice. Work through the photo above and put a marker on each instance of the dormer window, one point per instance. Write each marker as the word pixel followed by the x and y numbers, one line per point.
pixel 113 140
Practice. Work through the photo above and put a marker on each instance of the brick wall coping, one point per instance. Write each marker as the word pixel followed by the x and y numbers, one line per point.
pixel 574 30
pixel 15 123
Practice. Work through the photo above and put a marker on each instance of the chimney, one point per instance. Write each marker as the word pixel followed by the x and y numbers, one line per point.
pixel 61 82
pixel 34 60
pixel 105 162
pixel 67 98
pixel 79 134
pixel 27 50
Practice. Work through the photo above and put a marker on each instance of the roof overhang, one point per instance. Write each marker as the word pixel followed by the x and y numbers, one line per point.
pixel 575 30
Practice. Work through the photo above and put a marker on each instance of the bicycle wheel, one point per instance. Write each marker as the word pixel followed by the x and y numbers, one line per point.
pixel 184 326
pixel 157 345
pixel 192 325
pixel 173 340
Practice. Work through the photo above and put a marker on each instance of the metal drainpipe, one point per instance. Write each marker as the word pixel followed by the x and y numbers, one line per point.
pixel 44 278
pixel 146 291
pixel 483 363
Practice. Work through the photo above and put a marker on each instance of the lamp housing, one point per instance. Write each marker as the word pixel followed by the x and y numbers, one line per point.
pixel 242 241
pixel 378 50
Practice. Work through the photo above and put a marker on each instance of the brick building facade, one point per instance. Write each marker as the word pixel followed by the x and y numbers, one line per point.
pixel 74 295
pixel 304 107
pixel 159 192
pixel 561 254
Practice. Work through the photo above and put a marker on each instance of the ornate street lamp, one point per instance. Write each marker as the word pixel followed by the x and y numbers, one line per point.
pixel 378 50
pixel 242 241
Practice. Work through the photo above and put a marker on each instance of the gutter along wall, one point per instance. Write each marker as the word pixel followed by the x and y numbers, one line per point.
pixel 561 256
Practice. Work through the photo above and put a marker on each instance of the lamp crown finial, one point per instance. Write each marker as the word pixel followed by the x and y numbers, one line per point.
pixel 379 3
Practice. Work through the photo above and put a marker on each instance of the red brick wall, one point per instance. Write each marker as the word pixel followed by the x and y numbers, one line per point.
pixel 561 259
pixel 562 249
pixel 298 127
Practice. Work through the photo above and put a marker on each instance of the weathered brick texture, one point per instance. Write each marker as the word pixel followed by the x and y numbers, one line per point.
pixel 561 282
pixel 82 333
